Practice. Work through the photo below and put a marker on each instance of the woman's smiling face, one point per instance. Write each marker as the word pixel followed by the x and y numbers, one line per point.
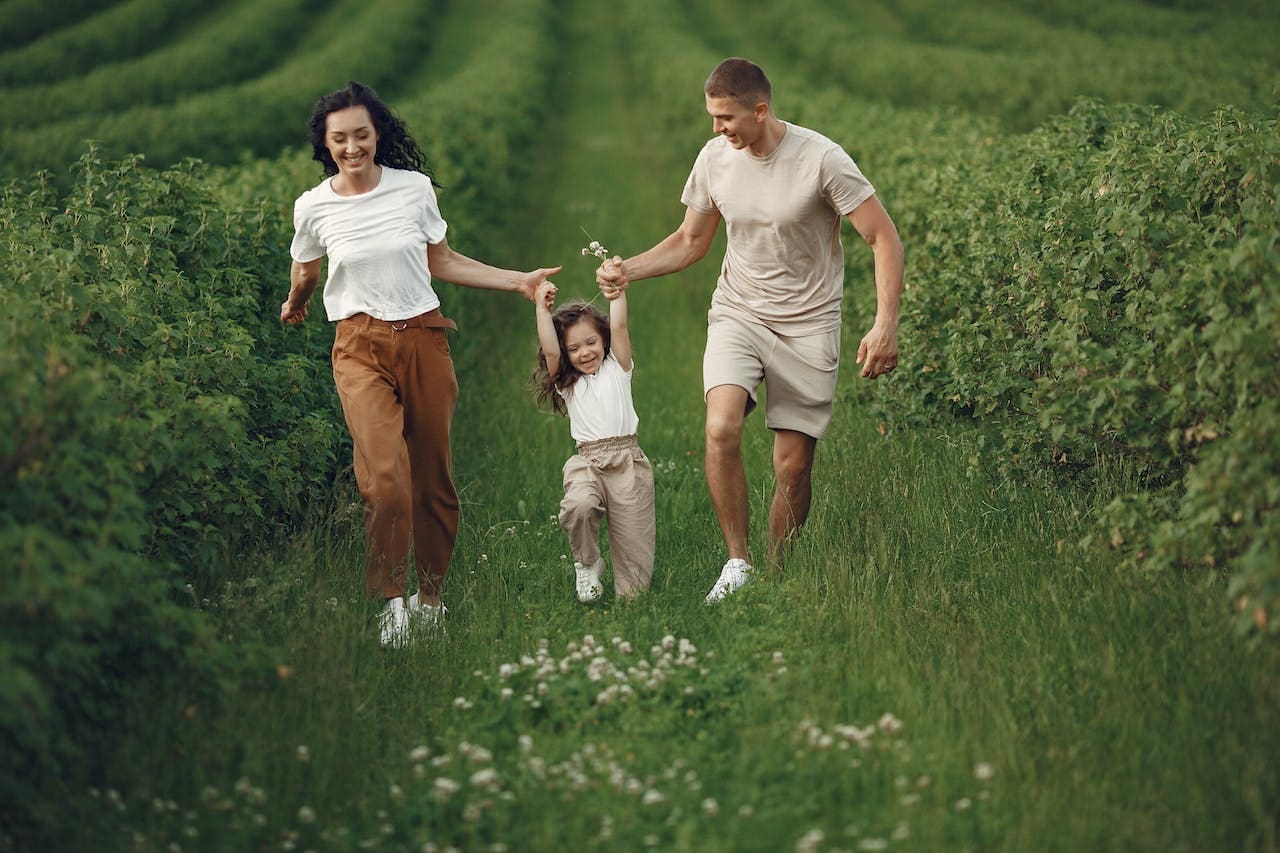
pixel 352 141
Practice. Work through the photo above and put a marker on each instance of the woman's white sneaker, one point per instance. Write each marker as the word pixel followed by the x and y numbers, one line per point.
pixel 393 623
pixel 426 615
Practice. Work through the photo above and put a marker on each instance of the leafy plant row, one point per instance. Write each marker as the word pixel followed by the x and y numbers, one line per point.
pixel 125 30
pixel 1018 66
pixel 1106 289
pixel 157 416
pixel 22 21
pixel 230 45
pixel 371 41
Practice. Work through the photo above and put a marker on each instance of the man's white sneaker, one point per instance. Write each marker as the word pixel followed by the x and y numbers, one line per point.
pixel 589 586
pixel 426 615
pixel 735 573
pixel 393 623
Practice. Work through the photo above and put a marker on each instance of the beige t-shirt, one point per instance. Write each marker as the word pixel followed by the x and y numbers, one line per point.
pixel 783 264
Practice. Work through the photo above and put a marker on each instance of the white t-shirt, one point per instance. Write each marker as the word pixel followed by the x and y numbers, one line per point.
pixel 783 262
pixel 600 403
pixel 376 243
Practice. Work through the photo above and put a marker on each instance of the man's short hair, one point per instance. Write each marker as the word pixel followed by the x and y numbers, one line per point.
pixel 740 79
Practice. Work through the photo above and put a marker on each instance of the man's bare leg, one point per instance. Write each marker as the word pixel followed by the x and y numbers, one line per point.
pixel 726 477
pixel 793 454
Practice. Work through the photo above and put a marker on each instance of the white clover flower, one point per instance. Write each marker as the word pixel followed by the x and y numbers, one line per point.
pixel 486 778
pixel 983 771
pixel 963 804
pixel 710 807
pixel 419 754
pixel 526 743
pixel 889 724
pixel 652 797
pixel 306 814
pixel 506 694
pixel 810 841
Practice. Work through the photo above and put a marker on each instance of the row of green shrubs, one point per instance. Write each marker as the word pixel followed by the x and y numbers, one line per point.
pixel 372 40
pixel 157 421
pixel 226 47
pixel 1108 288
pixel 1019 65
pixel 75 44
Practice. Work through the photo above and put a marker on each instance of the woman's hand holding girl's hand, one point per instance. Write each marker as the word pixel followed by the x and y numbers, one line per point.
pixel 545 297
pixel 530 282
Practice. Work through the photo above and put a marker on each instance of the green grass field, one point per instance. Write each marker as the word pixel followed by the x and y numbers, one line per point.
pixel 941 666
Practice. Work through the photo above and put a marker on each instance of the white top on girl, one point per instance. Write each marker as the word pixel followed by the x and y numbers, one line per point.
pixel 600 403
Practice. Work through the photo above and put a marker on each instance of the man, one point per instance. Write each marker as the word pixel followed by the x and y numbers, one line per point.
pixel 781 190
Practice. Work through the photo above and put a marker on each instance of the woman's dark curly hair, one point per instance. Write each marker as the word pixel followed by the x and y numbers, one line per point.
pixel 396 148
pixel 565 317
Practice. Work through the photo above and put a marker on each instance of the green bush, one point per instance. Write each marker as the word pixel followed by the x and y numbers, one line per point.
pixel 151 421
pixel 1107 287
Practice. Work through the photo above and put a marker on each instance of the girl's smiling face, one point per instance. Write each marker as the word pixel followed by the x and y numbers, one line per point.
pixel 584 345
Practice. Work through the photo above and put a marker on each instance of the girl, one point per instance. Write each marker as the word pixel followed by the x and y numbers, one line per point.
pixel 376 219
pixel 584 369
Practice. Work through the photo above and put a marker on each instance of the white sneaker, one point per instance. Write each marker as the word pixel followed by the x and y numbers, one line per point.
pixel 393 623
pixel 735 573
pixel 426 615
pixel 589 586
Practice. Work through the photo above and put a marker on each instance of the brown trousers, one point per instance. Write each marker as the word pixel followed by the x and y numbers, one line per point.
pixel 398 393
pixel 611 477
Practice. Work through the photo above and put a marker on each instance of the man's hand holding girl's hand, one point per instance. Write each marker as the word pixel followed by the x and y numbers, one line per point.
pixel 612 278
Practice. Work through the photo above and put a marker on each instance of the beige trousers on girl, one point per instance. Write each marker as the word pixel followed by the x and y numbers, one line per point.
pixel 398 393
pixel 611 477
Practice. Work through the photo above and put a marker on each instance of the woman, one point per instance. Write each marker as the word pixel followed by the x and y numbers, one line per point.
pixel 376 218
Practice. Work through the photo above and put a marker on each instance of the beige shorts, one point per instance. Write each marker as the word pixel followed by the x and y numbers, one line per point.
pixel 799 372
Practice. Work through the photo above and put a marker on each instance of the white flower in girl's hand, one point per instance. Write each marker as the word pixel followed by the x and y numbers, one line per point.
pixel 596 249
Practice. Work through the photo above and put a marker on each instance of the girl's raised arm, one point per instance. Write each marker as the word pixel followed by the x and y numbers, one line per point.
pixel 543 299
pixel 619 337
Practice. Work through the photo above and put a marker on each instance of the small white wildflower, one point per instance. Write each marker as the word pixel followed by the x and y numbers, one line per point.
pixel 963 804
pixel 445 787
pixel 506 694
pixel 710 807
pixel 526 743
pixel 810 841
pixel 652 797
pixel 419 754
pixel 486 778
pixel 873 844
pixel 304 754
pixel 982 771
pixel 306 814
pixel 889 724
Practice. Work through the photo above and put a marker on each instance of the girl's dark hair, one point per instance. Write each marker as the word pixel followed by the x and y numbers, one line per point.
pixel 396 148
pixel 544 384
